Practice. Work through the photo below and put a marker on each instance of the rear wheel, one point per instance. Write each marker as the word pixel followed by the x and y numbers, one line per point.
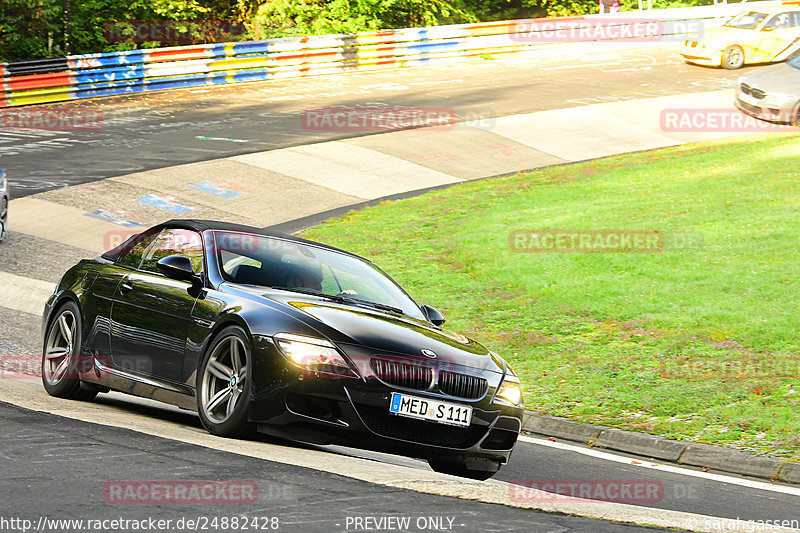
pixel 455 467
pixel 61 358
pixel 733 57
pixel 223 385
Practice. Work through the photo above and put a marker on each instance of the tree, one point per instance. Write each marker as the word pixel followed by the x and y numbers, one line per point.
pixel 28 28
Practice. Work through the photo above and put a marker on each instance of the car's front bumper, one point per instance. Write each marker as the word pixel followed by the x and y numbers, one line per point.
pixel 765 109
pixel 702 57
pixel 355 412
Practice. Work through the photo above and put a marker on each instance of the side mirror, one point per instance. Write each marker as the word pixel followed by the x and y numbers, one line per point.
pixel 433 315
pixel 178 267
pixel 768 28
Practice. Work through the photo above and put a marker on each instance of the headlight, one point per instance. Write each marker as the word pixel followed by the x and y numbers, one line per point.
pixel 313 354
pixel 510 390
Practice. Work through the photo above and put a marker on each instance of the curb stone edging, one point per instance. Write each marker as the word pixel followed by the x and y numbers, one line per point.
pixel 659 448
pixel 729 460
pixel 790 473
pixel 642 444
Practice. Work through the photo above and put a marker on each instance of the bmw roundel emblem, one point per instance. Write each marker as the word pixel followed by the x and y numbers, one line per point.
pixel 429 353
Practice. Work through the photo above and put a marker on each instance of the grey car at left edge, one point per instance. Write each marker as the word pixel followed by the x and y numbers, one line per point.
pixel 4 197
pixel 772 93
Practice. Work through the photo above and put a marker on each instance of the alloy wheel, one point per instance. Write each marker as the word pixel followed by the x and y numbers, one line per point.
pixel 60 348
pixel 224 380
pixel 733 57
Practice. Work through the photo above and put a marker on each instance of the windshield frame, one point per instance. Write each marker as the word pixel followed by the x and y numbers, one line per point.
pixel 407 304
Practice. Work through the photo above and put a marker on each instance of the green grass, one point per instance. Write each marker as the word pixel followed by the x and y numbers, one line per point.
pixel 697 342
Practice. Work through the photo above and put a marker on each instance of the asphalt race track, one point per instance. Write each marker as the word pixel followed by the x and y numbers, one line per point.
pixel 64 465
pixel 56 459
pixel 160 129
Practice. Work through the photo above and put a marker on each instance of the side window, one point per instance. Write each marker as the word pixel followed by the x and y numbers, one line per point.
pixel 175 242
pixel 233 262
pixel 795 20
pixel 782 20
pixel 136 248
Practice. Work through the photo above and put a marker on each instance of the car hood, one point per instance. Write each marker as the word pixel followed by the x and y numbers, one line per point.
pixel 387 333
pixel 780 78
pixel 722 36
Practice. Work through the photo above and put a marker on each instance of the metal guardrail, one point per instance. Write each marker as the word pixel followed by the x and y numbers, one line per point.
pixel 117 73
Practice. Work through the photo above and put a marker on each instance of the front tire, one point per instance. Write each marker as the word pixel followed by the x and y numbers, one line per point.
pixel 61 356
pixel 455 467
pixel 733 57
pixel 223 385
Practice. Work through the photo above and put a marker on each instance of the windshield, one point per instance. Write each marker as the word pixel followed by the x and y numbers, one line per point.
pixel 748 20
pixel 270 262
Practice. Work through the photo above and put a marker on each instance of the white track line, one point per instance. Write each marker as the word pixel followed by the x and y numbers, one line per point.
pixel 794 491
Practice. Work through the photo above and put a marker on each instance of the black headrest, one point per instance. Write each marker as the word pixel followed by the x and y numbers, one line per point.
pixel 248 274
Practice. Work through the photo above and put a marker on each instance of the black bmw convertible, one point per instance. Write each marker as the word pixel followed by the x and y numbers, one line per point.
pixel 260 331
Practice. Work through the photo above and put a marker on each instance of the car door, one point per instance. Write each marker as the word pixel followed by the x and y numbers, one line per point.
pixel 789 41
pixel 151 314
pixel 775 35
pixel 100 287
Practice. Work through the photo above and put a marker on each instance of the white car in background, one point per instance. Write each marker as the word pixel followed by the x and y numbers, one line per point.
pixel 761 35
pixel 772 93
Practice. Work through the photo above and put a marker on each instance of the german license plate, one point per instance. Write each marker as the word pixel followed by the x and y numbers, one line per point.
pixel 427 409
